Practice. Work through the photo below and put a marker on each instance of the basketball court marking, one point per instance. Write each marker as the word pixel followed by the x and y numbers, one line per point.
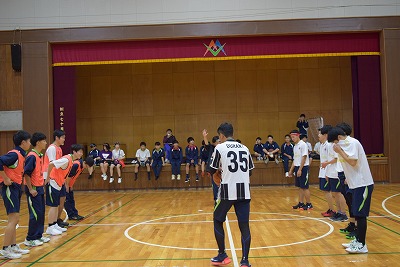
pixel 126 233
pixel 231 244
pixel 386 209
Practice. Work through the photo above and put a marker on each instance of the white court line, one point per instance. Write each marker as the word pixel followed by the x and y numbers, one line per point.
pixel 231 244
pixel 386 209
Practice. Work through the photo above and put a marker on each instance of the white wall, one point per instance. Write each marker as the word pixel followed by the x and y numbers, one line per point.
pixel 35 14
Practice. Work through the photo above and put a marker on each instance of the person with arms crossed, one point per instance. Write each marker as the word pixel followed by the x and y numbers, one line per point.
pixel 11 172
pixel 236 163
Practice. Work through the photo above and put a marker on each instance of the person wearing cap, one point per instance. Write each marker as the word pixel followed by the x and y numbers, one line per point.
pixel 118 156
pixel 95 155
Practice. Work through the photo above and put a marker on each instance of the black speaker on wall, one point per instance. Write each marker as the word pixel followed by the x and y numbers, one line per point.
pixel 16 57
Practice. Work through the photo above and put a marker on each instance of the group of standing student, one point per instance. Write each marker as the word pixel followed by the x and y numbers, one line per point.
pixel 49 175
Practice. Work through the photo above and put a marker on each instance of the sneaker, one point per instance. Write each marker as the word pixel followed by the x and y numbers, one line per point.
pixel 277 161
pixel 61 223
pixel 51 230
pixel 104 177
pixel 18 250
pixel 33 243
pixel 266 160
pixel 9 254
pixel 111 180
pixel 298 206
pixel 349 228
pixel 307 206
pixel 75 218
pixel 44 239
pixel 178 177
pixel 286 174
pixel 352 235
pixel 119 180
pixel 61 229
pixel 90 176
pixel 221 259
pixel 357 248
pixel 343 218
pixel 187 180
pixel 80 217
pixel 336 217
pixel 245 263
pixel 347 245
pixel 328 213
pixel 173 177
pixel 197 179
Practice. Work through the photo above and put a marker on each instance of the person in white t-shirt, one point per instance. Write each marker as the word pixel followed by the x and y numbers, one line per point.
pixel 359 178
pixel 142 159
pixel 300 169
pixel 118 156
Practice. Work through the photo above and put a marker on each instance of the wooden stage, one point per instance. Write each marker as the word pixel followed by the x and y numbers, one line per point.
pixel 174 228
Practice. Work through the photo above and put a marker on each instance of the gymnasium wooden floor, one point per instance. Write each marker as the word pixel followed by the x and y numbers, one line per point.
pixel 174 228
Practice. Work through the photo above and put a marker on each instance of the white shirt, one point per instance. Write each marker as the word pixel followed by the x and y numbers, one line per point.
pixel 359 175
pixel 323 154
pixel 331 170
pixel 236 162
pixel 300 150
pixel 118 154
pixel 142 155
pixel 317 147
pixel 309 146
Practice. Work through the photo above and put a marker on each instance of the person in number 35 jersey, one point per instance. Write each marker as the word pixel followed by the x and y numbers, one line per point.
pixel 235 162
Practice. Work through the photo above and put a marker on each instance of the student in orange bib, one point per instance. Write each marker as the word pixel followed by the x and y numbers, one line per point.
pixel 34 190
pixel 76 170
pixel 58 171
pixel 11 172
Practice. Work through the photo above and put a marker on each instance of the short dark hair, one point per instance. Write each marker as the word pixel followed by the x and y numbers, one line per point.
pixel 168 130
pixel 294 132
pixel 190 139
pixel 107 145
pixel 325 129
pixel 303 135
pixel 92 145
pixel 270 136
pixel 345 127
pixel 334 133
pixel 203 143
pixel 76 147
pixel 20 136
pixel 226 129
pixel 37 137
pixel 258 138
pixel 89 161
pixel 239 141
pixel 302 115
pixel 58 133
pixel 215 139
pixel 157 143
pixel 287 135
pixel 142 143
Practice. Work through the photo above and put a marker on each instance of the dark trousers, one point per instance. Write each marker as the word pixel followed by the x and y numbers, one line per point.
pixel 285 161
pixel 157 166
pixel 215 188
pixel 36 206
pixel 70 204
pixel 176 166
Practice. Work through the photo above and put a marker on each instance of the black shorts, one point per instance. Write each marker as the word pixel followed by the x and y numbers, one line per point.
pixel 242 209
pixel 362 200
pixel 63 191
pixel 324 185
pixel 52 196
pixel 11 195
pixel 301 181
pixel 335 185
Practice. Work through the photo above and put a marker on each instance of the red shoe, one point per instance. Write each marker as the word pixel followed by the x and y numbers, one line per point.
pixel 328 213
pixel 220 260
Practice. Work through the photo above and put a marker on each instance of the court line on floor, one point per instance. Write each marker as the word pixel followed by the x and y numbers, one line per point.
pixel 386 209
pixel 231 244
pixel 84 230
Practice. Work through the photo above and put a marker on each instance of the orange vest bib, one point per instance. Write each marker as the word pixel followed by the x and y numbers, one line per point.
pixel 37 174
pixel 59 175
pixel 46 161
pixel 78 172
pixel 16 171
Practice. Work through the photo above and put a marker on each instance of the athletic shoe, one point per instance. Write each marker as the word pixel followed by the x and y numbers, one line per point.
pixel 61 229
pixel 277 161
pixel 104 177
pixel 357 248
pixel 347 245
pixel 61 223
pixel 298 206
pixel 339 217
pixel 119 180
pixel 80 217
pixel 90 176
pixel 178 177
pixel 76 218
pixel 328 213
pixel 197 179
pixel 173 177
pixel 352 235
pixel 245 263
pixel 221 259
pixel 111 180
pixel 51 230
pixel 286 174
pixel 187 180
pixel 18 250
pixel 344 218
pixel 44 239
pixel 266 160
pixel 351 227
pixel 33 243
pixel 9 254
pixel 307 206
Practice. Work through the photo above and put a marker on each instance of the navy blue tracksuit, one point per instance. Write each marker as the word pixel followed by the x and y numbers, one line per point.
pixel 157 161
pixel 288 149
pixel 176 160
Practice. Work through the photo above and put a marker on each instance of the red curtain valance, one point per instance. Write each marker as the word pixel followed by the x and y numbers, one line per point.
pixel 199 49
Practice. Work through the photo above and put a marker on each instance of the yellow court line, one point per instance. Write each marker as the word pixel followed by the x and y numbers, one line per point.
pixel 135 61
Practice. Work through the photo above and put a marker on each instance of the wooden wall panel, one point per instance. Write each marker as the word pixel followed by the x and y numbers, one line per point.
pixel 260 97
